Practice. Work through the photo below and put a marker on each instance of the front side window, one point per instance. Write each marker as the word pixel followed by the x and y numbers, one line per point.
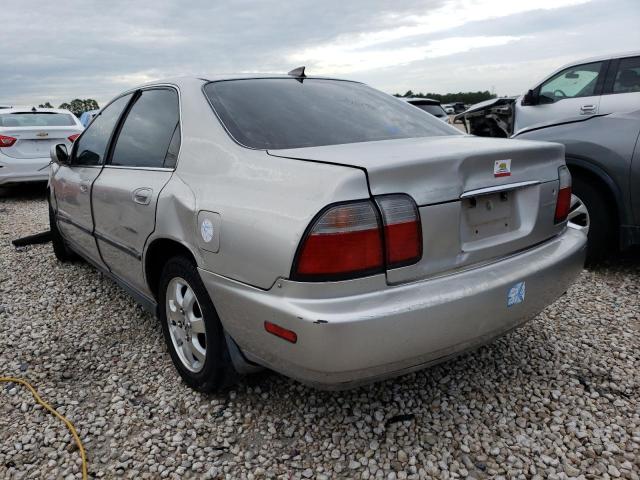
pixel 91 147
pixel 628 76
pixel 578 81
pixel 36 119
pixel 147 132
pixel 276 113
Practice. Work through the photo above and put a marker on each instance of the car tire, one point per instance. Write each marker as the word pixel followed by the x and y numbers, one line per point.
pixel 60 249
pixel 189 325
pixel 602 232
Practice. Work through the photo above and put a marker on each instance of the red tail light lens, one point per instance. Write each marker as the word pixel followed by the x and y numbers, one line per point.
pixel 563 203
pixel 7 141
pixel 72 138
pixel 402 231
pixel 344 242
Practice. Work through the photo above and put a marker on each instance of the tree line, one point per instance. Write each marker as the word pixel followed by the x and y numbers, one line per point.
pixel 75 106
pixel 464 97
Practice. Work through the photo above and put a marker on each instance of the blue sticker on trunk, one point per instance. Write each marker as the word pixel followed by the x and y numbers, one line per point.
pixel 516 294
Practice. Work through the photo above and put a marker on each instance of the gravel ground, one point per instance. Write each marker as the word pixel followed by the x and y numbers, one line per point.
pixel 559 398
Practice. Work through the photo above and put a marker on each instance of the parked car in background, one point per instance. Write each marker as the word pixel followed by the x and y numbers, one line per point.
pixel 26 137
pixel 603 155
pixel 86 117
pixel 314 226
pixel 449 109
pixel 598 85
pixel 430 106
pixel 458 107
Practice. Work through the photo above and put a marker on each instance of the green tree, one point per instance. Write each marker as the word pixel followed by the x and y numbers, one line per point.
pixel 45 105
pixel 78 106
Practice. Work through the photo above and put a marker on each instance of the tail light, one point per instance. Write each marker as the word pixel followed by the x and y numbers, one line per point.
pixel 345 241
pixel 402 232
pixel 351 240
pixel 72 138
pixel 563 203
pixel 7 141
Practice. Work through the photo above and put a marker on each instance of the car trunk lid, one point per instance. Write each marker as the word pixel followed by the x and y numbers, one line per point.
pixel 479 199
pixel 36 142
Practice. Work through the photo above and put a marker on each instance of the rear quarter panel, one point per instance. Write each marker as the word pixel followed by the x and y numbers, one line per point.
pixel 264 203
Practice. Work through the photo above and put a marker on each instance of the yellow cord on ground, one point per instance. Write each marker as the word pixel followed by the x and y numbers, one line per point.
pixel 67 423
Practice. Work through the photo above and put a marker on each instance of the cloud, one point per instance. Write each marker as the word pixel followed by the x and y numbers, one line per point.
pixel 56 51
pixel 334 59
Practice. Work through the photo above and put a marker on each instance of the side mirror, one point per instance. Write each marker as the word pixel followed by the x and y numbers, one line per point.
pixel 59 154
pixel 530 98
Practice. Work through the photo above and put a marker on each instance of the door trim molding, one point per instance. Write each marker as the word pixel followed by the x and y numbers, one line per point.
pixel 123 248
pixel 65 219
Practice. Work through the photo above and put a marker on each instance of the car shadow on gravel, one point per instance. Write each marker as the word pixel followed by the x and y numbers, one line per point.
pixel 627 260
pixel 27 191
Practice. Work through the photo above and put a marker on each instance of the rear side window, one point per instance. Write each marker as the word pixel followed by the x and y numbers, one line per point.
pixel 150 128
pixel 435 110
pixel 39 119
pixel 91 147
pixel 628 76
pixel 274 113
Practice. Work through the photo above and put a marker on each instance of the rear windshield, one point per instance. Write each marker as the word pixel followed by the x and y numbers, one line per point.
pixel 274 113
pixel 29 119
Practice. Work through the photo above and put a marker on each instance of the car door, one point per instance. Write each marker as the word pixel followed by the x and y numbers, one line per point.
pixel 71 184
pixel 622 88
pixel 125 194
pixel 635 180
pixel 570 93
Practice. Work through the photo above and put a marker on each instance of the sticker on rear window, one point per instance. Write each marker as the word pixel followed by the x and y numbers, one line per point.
pixel 516 294
pixel 502 168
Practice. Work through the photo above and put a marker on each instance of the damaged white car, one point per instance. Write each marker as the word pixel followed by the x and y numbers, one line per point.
pixel 593 86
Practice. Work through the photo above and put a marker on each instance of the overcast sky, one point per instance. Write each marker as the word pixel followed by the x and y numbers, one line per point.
pixel 63 49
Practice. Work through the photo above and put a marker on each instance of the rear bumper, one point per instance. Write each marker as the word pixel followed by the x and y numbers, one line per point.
pixel 359 331
pixel 19 170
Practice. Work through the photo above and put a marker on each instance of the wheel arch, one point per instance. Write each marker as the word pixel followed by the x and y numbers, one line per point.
pixel 156 255
pixel 580 167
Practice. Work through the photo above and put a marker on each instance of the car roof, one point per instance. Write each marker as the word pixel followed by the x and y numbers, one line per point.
pixel 420 99
pixel 34 110
pixel 183 80
pixel 602 57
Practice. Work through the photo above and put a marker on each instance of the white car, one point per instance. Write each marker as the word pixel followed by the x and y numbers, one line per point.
pixel 430 106
pixel 593 86
pixel 26 137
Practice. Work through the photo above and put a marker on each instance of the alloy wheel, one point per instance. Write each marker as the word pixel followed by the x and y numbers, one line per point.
pixel 186 325
pixel 578 215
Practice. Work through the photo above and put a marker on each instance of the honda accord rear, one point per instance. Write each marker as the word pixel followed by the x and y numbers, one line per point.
pixel 313 226
pixel 452 241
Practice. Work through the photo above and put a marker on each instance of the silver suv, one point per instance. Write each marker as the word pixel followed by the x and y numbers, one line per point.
pixel 314 226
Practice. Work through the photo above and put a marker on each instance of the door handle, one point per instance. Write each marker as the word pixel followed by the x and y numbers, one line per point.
pixel 588 109
pixel 142 195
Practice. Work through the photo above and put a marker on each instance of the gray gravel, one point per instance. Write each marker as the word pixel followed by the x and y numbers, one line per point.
pixel 559 398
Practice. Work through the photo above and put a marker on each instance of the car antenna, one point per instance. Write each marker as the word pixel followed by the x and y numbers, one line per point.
pixel 298 73
pixel 33 109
